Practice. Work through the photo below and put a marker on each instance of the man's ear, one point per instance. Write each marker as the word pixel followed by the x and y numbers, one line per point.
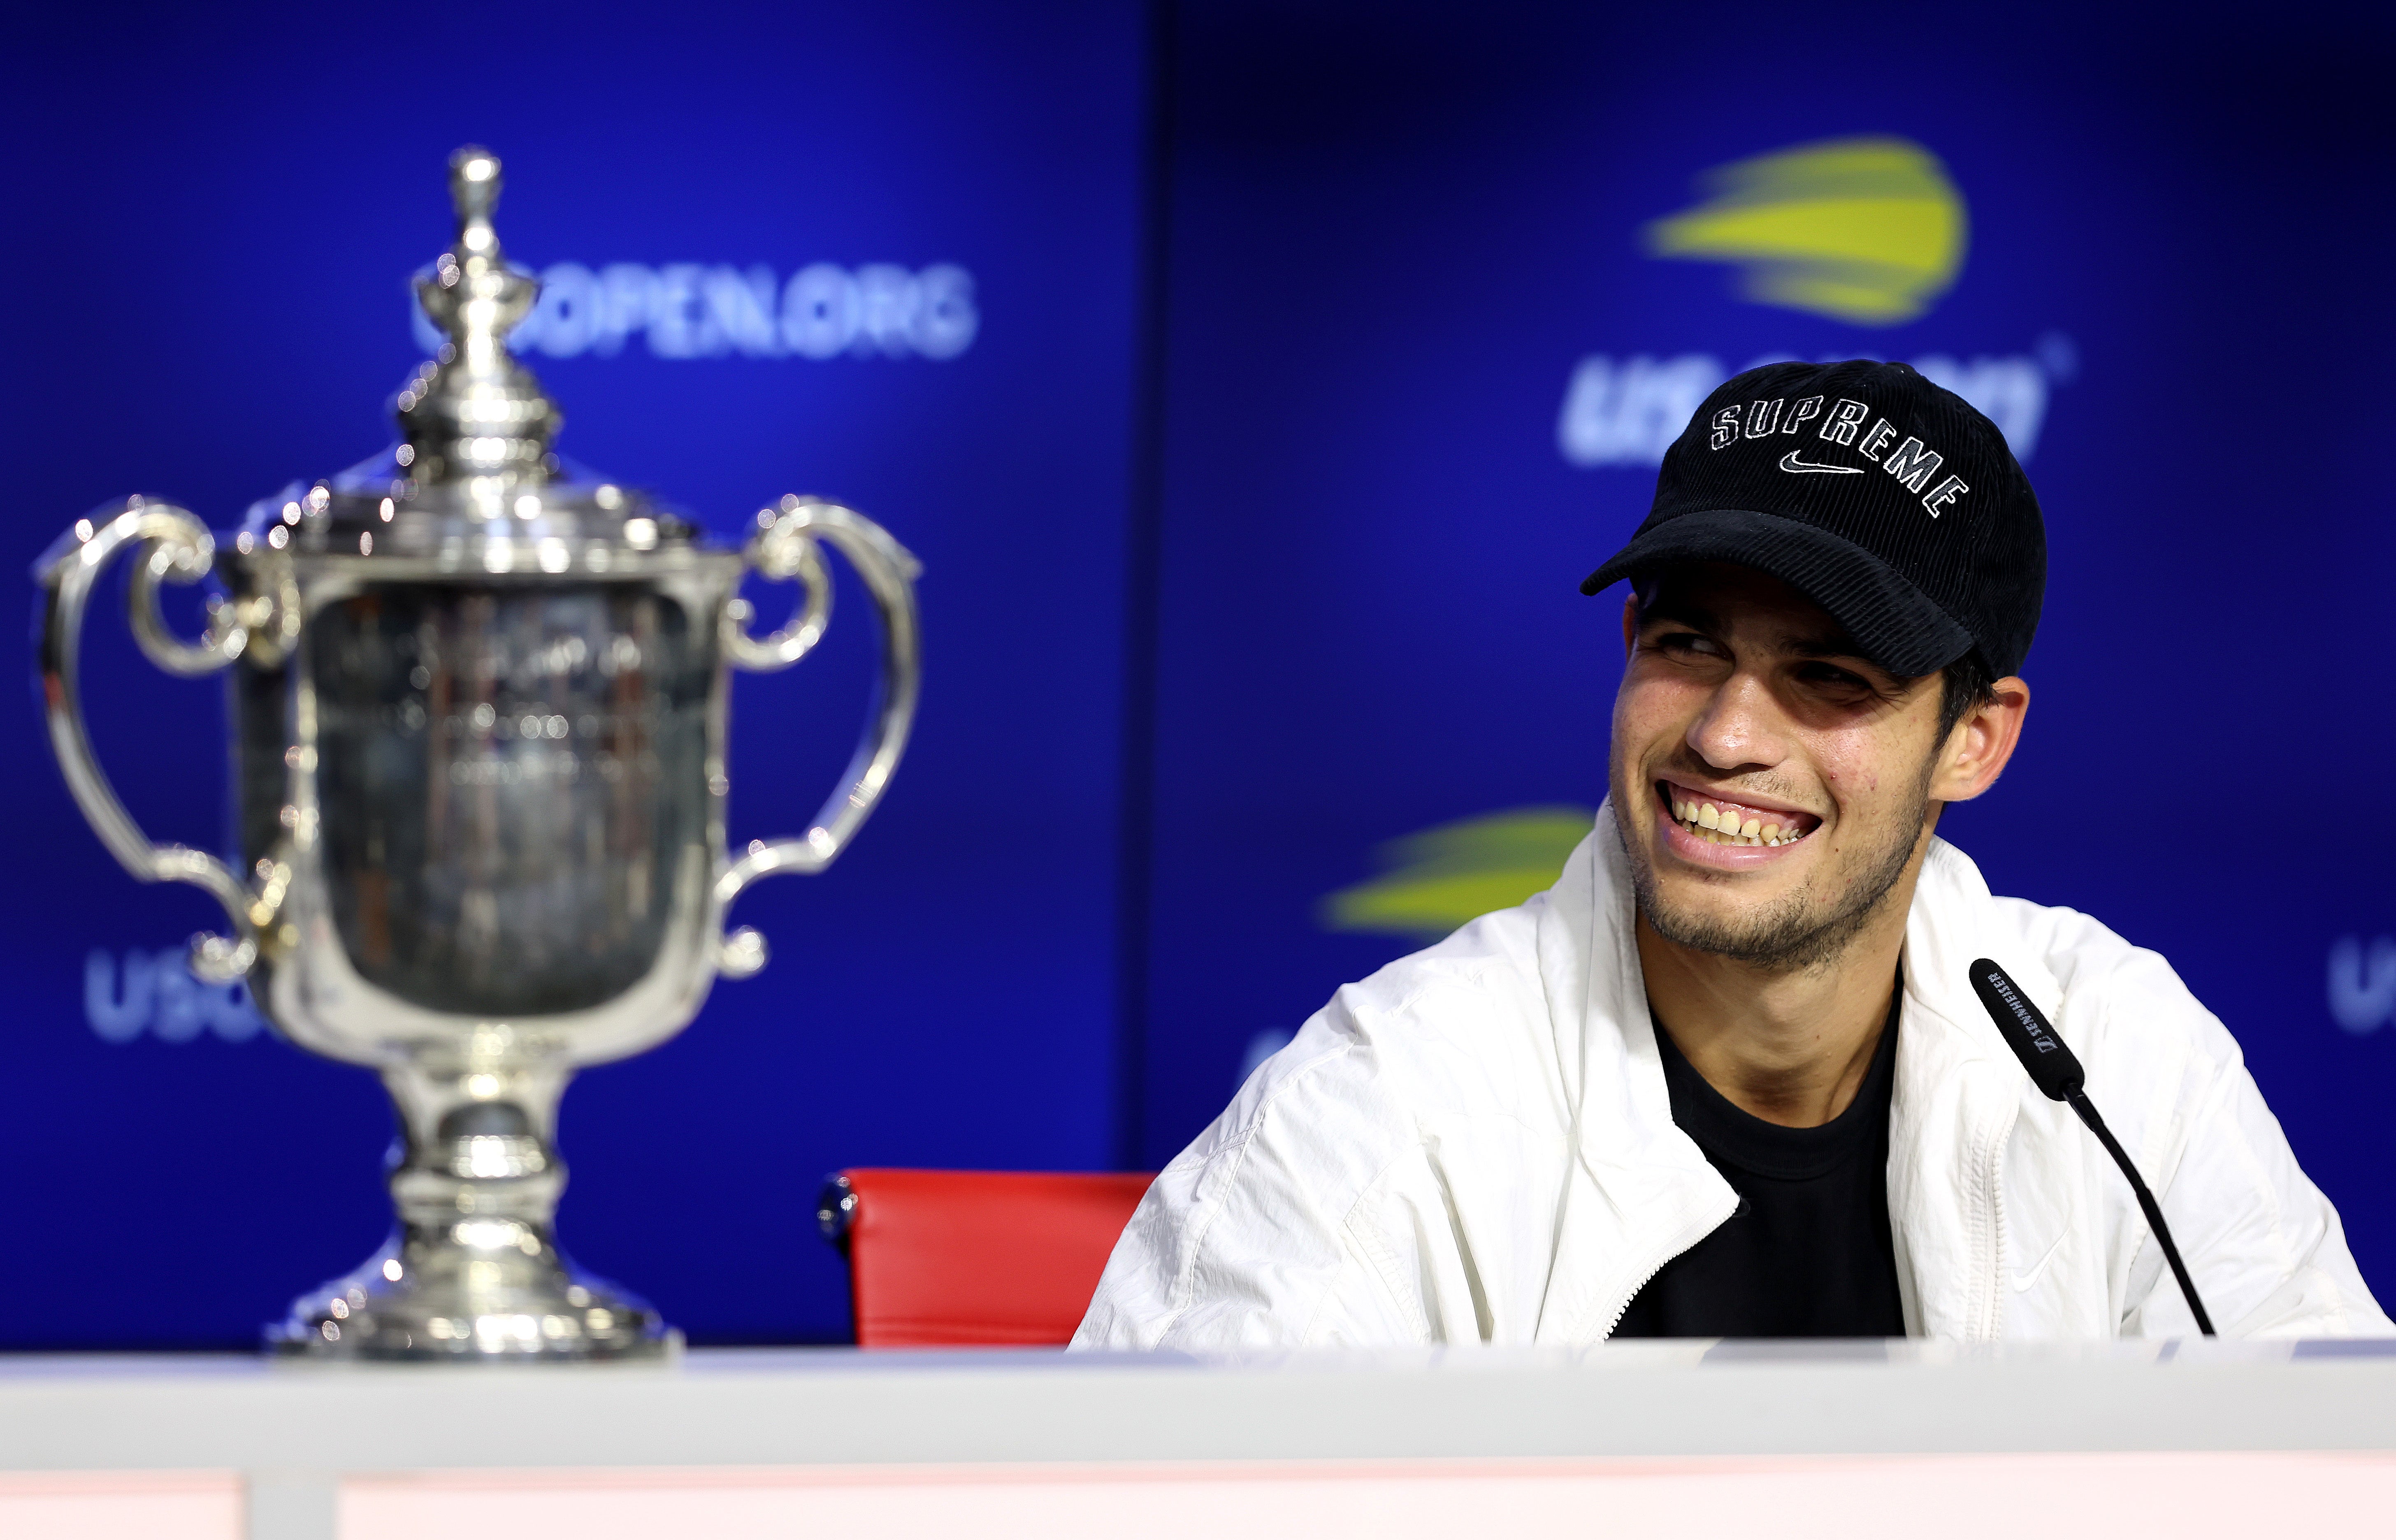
pixel 1977 749
pixel 1630 623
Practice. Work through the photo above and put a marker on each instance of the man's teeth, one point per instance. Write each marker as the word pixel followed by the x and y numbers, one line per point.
pixel 1725 825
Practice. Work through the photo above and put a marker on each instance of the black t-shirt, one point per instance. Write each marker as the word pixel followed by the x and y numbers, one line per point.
pixel 1807 1254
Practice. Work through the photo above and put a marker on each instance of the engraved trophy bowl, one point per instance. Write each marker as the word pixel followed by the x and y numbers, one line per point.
pixel 478 704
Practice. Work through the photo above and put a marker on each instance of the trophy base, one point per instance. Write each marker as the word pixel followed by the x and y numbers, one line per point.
pixel 509 1299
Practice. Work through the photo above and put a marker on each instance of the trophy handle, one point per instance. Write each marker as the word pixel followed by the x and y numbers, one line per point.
pixel 787 546
pixel 173 547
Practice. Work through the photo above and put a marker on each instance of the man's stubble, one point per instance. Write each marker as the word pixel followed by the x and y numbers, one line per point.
pixel 1795 932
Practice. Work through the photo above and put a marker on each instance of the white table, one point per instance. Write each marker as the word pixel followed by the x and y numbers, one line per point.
pixel 1778 1440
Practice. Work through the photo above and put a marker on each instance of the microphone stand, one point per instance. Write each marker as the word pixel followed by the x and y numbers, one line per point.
pixel 2078 1101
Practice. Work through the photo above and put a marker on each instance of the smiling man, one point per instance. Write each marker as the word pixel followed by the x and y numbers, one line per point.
pixel 1728 1077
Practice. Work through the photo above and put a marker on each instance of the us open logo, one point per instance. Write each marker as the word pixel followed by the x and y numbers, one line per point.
pixel 2363 983
pixel 1870 231
pixel 153 993
pixel 695 310
pixel 1627 411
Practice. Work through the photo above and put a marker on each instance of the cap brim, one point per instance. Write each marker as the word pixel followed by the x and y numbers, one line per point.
pixel 1894 623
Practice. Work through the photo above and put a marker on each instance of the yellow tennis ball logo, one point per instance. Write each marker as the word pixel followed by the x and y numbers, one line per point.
pixel 1868 230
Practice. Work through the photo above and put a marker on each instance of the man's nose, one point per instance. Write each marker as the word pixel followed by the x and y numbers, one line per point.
pixel 1739 726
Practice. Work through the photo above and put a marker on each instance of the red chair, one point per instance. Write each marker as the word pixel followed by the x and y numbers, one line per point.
pixel 974 1259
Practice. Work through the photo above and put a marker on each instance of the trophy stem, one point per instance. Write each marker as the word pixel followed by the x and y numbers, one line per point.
pixel 472 1271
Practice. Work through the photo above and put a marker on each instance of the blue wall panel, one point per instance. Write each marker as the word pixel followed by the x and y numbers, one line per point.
pixel 214 210
pixel 1420 350
pixel 1401 235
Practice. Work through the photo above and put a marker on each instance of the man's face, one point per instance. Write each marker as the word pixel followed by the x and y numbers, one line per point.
pixel 1772 785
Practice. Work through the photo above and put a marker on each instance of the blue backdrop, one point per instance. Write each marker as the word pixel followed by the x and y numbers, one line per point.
pixel 216 209
pixel 1257 383
pixel 1423 324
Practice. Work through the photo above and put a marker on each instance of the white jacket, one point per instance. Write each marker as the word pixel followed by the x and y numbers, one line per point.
pixel 1476 1144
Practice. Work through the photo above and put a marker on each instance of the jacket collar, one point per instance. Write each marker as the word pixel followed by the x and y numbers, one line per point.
pixel 1641 1192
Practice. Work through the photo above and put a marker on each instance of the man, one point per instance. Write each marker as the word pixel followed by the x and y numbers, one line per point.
pixel 1728 1077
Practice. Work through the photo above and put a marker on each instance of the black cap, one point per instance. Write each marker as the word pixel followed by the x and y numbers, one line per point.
pixel 1892 503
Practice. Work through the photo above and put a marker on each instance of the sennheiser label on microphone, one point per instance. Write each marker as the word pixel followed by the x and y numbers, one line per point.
pixel 2039 1037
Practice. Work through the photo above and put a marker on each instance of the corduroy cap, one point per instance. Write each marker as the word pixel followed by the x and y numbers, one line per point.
pixel 1892 503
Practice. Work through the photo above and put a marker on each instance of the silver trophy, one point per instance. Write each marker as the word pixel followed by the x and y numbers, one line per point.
pixel 478 707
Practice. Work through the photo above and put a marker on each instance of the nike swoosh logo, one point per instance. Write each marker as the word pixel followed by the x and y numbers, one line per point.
pixel 1791 462
pixel 2024 1281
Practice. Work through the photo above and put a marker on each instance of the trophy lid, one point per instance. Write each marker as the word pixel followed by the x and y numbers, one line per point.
pixel 473 485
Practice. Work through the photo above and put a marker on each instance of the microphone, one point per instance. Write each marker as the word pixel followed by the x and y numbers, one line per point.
pixel 2054 1070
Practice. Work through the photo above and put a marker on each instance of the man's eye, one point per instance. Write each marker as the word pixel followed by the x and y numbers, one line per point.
pixel 1831 678
pixel 1689 642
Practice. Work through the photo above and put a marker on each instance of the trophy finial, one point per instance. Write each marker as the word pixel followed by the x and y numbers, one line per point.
pixel 474 189
pixel 476 412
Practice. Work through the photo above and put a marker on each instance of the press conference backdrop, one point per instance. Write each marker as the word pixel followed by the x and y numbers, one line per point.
pixel 881 253
pixel 1446 278
pixel 1216 721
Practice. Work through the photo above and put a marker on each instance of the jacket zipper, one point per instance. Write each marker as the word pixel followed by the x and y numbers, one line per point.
pixel 1994 1165
pixel 1661 1263
pixel 1649 1277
